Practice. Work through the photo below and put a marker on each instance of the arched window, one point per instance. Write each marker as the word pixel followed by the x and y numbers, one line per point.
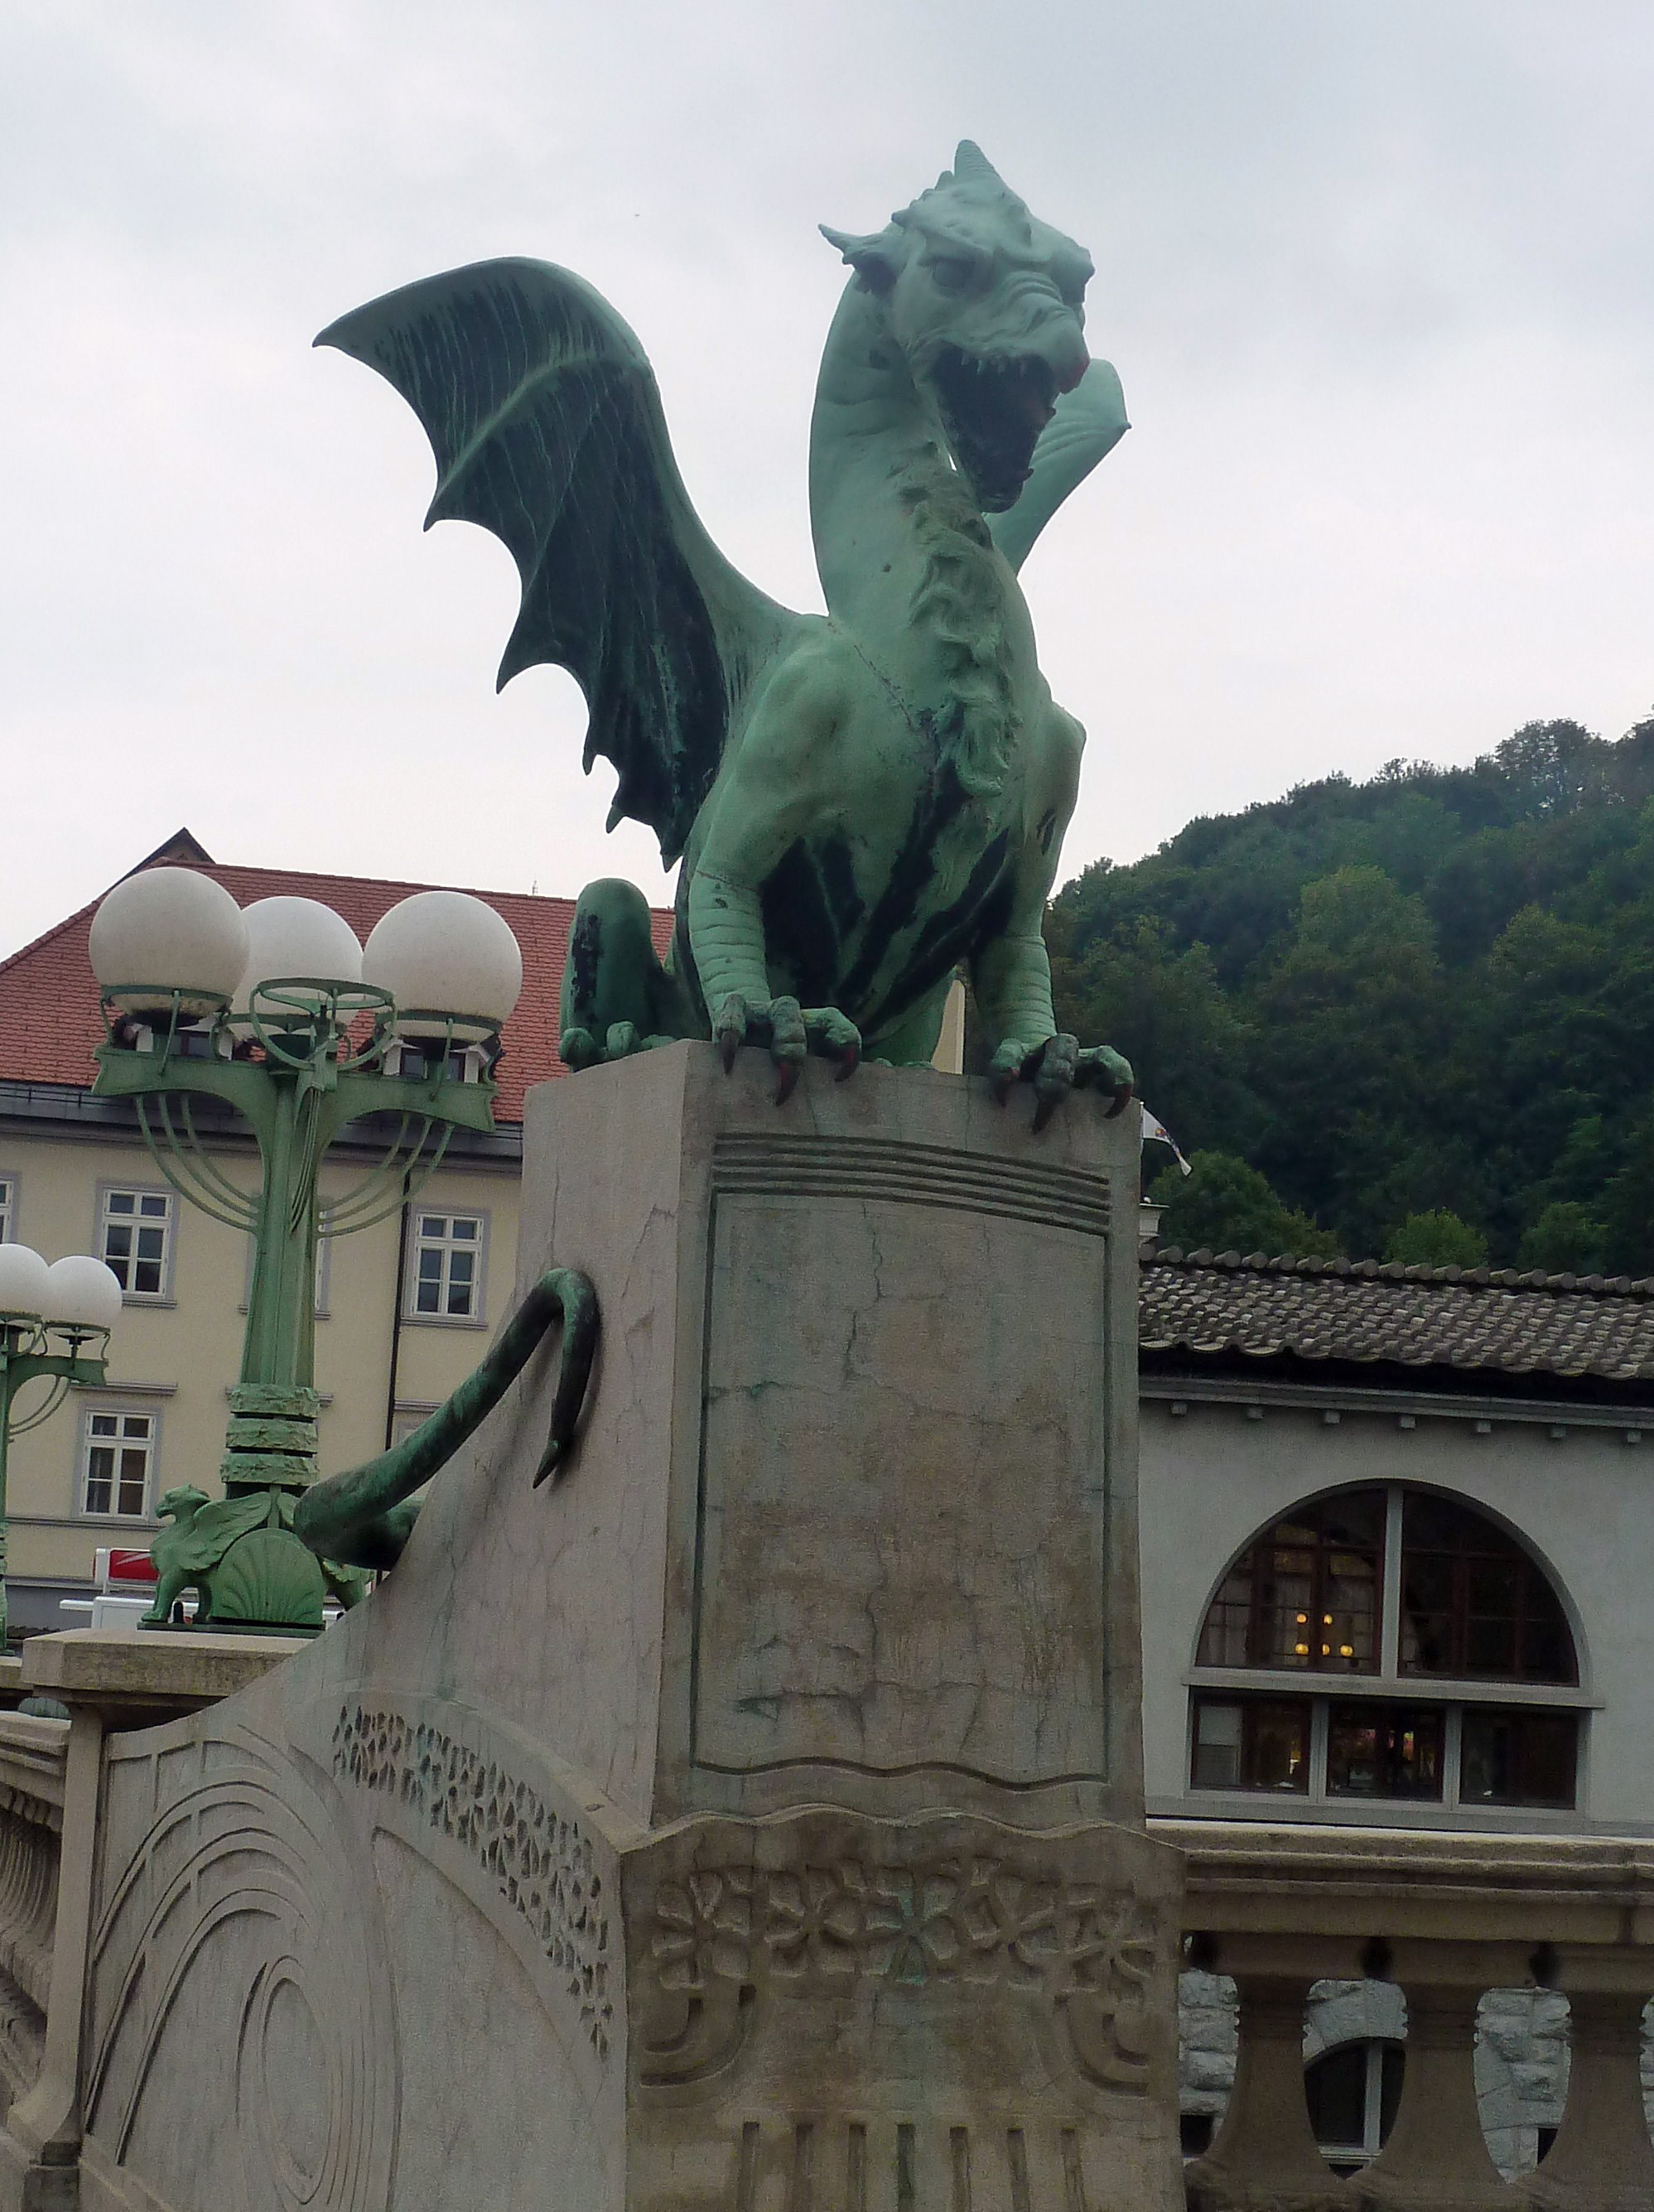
pixel 1395 1622
pixel 1305 1594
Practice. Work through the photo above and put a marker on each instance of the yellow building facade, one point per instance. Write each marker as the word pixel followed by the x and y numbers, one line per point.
pixel 92 1475
pixel 404 1309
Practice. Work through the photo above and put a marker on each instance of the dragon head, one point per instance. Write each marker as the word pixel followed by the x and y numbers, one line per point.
pixel 986 304
pixel 181 1504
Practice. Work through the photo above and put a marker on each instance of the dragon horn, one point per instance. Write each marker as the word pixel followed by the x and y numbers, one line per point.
pixel 868 254
pixel 851 246
pixel 972 167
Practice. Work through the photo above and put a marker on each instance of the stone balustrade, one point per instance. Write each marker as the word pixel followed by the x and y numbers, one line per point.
pixel 33 1756
pixel 51 1796
pixel 1446 1918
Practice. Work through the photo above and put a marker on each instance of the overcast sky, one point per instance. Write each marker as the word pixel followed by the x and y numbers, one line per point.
pixel 1379 281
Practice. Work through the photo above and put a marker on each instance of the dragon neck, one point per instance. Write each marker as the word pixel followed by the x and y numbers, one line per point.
pixel 905 557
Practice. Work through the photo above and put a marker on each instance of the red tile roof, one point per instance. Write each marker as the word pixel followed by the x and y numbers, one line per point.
pixel 49 1017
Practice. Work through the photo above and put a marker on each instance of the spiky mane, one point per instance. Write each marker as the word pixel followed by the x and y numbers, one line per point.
pixel 959 602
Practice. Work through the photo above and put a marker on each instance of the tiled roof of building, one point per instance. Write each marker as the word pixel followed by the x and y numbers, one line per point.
pixel 1214 1304
pixel 49 1017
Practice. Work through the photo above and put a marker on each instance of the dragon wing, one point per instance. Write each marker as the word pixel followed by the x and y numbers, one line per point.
pixel 1088 423
pixel 216 1527
pixel 545 421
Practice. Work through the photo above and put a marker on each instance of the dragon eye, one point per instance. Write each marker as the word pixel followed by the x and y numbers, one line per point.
pixel 951 272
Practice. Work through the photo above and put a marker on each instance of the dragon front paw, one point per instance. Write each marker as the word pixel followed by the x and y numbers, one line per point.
pixel 791 1033
pixel 1101 1068
pixel 579 1048
pixel 1055 1068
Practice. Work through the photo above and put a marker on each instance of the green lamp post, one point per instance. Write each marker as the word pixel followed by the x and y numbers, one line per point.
pixel 278 1014
pixel 54 1323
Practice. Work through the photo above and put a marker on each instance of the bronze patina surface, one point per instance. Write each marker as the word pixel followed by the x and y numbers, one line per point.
pixel 865 802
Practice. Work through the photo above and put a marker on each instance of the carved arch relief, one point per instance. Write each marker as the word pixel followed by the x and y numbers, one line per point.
pixel 276 1947
pixel 243 2023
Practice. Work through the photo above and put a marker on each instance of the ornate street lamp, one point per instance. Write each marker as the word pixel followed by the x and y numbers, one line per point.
pixel 279 1013
pixel 76 1300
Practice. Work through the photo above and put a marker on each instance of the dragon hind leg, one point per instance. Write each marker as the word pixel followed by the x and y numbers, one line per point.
pixel 617 997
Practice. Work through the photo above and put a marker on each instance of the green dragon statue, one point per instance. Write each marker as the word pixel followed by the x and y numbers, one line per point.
pixel 863 802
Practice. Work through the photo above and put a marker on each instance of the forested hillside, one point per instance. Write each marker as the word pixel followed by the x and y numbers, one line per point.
pixel 1428 995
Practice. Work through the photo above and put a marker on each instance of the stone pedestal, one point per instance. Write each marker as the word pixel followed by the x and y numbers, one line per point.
pixel 752 1820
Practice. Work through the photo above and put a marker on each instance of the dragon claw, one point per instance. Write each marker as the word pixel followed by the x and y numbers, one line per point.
pixel 577 1048
pixel 729 1030
pixel 1007 1065
pixel 836 1038
pixel 1053 1077
pixel 1056 1068
pixel 1102 1069
pixel 791 1034
pixel 790 1045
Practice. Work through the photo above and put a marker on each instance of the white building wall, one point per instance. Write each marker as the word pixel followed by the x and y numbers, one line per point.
pixel 1212 1477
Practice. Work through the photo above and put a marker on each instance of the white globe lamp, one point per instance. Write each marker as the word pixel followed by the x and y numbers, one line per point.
pixel 296 937
pixel 165 930
pixel 445 953
pixel 25 1281
pixel 81 1293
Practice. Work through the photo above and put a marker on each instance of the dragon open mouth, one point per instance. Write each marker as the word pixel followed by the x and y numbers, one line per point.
pixel 993 412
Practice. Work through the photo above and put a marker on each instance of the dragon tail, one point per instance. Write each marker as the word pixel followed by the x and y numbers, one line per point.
pixel 362 1518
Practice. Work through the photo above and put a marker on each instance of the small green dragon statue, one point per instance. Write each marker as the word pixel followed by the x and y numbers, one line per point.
pixel 863 802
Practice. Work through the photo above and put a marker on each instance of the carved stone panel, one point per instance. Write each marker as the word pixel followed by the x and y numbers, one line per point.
pixel 902 1559
pixel 831 2010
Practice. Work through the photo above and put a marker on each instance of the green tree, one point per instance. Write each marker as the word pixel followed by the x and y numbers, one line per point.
pixel 1628 1206
pixel 1429 991
pixel 1225 1206
pixel 1163 1006
pixel 1552 768
pixel 1353 1017
pixel 1436 1239
pixel 1567 1239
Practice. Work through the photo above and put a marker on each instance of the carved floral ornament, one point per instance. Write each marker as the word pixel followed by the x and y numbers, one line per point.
pixel 540 1861
pixel 968 1920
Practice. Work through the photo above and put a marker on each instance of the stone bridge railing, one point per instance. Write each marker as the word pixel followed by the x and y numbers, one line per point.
pixel 33 1757
pixel 50 1787
pixel 1448 1918
pixel 1279 1909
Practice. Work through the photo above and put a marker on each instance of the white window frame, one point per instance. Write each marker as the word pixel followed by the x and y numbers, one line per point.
pixel 120 1414
pixel 8 1187
pixel 167 1222
pixel 448 1243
